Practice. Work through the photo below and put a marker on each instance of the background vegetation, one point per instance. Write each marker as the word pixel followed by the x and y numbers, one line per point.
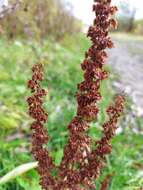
pixel 39 19
pixel 29 36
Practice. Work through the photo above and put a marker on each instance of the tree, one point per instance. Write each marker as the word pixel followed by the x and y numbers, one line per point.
pixel 126 17
pixel 39 19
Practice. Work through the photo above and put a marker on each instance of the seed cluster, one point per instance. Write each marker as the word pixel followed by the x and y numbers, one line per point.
pixel 81 164
pixel 40 135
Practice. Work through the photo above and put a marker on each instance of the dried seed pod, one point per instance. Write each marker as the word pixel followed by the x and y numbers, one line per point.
pixel 81 164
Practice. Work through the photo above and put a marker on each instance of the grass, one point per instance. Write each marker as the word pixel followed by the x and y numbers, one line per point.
pixel 62 73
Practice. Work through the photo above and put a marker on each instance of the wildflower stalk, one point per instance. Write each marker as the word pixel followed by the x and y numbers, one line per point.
pixel 78 152
pixel 106 182
pixel 40 135
pixel 81 165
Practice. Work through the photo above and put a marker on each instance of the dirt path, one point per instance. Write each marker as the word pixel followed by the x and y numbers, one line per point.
pixel 127 60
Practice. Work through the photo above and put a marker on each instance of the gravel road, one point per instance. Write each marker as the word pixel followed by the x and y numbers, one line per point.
pixel 127 60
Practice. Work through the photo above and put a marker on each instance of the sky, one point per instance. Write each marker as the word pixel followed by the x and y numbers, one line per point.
pixel 81 8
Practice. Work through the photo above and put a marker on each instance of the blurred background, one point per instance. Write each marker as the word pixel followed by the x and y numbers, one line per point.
pixel 53 32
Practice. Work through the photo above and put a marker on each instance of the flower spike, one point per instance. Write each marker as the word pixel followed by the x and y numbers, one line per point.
pixel 81 165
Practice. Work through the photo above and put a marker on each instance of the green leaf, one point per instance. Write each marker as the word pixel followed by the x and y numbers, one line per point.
pixel 17 172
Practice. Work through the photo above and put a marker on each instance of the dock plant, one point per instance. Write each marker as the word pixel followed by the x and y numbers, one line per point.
pixel 83 158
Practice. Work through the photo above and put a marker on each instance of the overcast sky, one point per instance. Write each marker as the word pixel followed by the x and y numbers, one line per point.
pixel 82 8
